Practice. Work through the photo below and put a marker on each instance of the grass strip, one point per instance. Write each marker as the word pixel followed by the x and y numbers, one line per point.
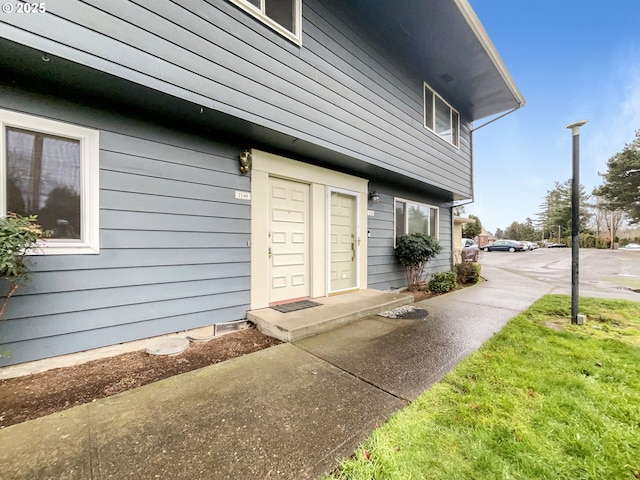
pixel 541 399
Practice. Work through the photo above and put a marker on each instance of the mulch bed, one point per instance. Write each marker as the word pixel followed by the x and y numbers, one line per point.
pixel 37 395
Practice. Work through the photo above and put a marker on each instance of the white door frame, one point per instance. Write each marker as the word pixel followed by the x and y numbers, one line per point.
pixel 355 194
pixel 320 180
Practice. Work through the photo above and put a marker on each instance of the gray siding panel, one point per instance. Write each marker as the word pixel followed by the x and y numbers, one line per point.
pixel 97 279
pixel 336 90
pixel 123 258
pixel 119 200
pixel 161 222
pixel 67 312
pixel 43 347
pixel 173 242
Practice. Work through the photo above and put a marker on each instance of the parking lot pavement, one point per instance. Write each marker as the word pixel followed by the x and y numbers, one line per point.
pixel 602 273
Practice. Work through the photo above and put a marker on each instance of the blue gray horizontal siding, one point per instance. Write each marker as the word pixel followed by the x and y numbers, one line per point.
pixel 384 270
pixel 338 90
pixel 173 242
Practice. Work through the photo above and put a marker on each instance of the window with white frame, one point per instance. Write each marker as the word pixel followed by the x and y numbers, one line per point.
pixel 50 169
pixel 412 217
pixel 440 117
pixel 284 16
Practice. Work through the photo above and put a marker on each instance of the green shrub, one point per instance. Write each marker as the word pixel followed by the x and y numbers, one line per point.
pixel 17 235
pixel 413 252
pixel 442 282
pixel 468 272
pixel 475 274
pixel 588 240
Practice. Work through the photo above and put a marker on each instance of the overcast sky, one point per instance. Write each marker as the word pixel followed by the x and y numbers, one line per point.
pixel 572 60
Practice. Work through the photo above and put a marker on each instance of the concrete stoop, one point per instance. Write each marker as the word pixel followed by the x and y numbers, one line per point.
pixel 333 312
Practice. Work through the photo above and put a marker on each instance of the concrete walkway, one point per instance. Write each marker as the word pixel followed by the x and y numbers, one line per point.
pixel 291 411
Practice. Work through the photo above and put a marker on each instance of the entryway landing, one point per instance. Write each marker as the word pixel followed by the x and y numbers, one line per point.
pixel 332 312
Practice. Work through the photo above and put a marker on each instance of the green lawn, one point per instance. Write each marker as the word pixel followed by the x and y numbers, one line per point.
pixel 543 399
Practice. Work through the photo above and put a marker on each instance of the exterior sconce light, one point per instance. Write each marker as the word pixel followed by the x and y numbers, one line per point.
pixel 245 161
pixel 374 197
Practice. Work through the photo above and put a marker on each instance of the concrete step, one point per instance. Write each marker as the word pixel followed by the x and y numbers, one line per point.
pixel 333 312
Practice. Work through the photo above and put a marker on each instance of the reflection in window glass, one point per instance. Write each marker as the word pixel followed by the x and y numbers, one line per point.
pixel 418 219
pixel 400 219
pixel 433 218
pixel 284 16
pixel 428 108
pixel 440 118
pixel 443 120
pixel 43 178
pixel 282 12
pixel 455 125
pixel 415 218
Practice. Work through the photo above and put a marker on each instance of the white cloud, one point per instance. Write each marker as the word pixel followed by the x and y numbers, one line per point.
pixel 617 116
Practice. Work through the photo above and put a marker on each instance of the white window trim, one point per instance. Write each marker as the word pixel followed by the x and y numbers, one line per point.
pixel 295 36
pixel 406 222
pixel 433 113
pixel 89 242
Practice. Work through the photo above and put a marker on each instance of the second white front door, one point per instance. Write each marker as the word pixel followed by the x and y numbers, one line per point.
pixel 288 239
pixel 344 241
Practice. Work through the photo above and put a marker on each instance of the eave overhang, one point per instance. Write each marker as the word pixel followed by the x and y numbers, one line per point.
pixel 445 43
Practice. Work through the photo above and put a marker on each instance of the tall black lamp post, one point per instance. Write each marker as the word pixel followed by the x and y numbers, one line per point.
pixel 575 219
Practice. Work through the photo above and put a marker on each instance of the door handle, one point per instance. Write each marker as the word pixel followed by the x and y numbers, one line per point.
pixel 353 251
pixel 269 252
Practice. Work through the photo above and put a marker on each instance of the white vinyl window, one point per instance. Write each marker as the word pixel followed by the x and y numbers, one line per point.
pixel 50 169
pixel 284 16
pixel 440 117
pixel 412 217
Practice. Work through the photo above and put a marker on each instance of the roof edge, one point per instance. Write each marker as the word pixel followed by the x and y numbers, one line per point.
pixel 483 37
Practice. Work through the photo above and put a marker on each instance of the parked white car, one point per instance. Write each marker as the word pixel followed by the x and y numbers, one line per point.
pixel 527 245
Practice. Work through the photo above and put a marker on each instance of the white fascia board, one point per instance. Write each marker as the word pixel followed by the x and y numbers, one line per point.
pixel 481 34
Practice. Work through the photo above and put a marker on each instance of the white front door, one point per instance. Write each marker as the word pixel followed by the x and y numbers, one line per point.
pixel 288 239
pixel 343 240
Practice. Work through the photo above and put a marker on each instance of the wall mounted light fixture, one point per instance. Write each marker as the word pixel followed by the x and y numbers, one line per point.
pixel 245 161
pixel 374 197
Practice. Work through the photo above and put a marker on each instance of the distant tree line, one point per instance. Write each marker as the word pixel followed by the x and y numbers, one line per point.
pixel 610 205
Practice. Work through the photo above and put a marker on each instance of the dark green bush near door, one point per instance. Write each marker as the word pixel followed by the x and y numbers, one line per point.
pixel 413 252
pixel 468 272
pixel 442 282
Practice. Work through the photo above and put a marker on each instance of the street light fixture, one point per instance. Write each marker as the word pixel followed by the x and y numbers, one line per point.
pixel 575 218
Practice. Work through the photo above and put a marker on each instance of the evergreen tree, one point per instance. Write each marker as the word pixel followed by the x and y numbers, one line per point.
pixel 557 210
pixel 621 187
pixel 472 230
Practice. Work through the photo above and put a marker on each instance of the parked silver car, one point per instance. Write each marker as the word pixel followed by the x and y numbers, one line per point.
pixel 469 249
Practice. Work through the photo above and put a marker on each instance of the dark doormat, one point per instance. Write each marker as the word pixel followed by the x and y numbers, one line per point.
pixel 295 306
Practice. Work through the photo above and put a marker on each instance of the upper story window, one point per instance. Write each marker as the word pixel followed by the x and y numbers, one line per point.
pixel 412 217
pixel 440 117
pixel 284 16
pixel 50 169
